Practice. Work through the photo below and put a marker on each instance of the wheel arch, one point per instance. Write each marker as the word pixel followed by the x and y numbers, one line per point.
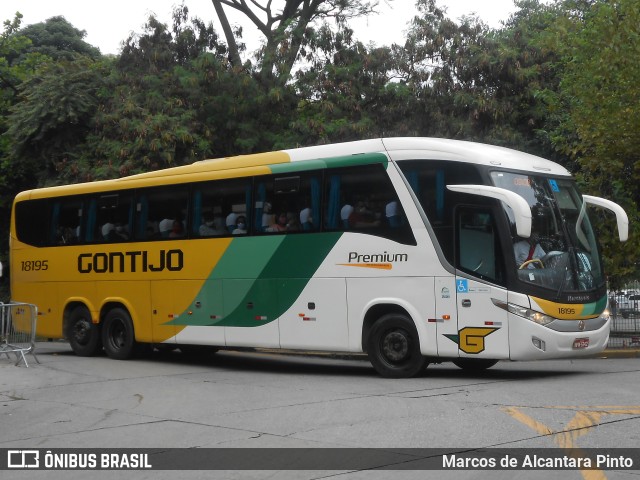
pixel 379 309
pixel 115 302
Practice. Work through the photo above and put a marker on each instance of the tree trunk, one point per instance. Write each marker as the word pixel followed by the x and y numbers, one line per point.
pixel 234 53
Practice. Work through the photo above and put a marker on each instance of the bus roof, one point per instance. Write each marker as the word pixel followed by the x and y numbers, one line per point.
pixel 337 154
pixel 404 148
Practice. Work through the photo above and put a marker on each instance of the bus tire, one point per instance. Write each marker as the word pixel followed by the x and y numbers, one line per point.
pixel 118 336
pixel 474 364
pixel 394 348
pixel 82 333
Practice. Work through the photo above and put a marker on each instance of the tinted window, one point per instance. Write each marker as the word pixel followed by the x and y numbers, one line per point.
pixel 429 180
pixel 287 203
pixel 478 245
pixel 32 222
pixel 219 206
pixel 161 213
pixel 66 217
pixel 109 218
pixel 363 200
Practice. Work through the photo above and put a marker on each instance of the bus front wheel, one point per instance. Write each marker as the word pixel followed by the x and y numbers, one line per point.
pixel 118 336
pixel 394 348
pixel 82 333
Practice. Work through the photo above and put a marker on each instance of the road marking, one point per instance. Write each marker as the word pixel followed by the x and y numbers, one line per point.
pixel 582 423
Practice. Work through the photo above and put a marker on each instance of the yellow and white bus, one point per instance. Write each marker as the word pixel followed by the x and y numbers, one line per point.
pixel 412 250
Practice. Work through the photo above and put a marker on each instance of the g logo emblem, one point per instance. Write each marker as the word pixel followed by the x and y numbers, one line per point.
pixel 471 339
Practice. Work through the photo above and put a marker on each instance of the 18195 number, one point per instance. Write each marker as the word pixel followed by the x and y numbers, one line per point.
pixel 34 265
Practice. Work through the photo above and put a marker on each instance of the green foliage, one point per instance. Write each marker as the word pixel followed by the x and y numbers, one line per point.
pixel 347 93
pixel 173 98
pixel 559 79
pixel 598 122
pixel 53 117
pixel 476 83
pixel 58 39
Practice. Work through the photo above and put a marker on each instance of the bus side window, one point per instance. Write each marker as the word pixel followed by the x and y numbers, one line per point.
pixel 32 219
pixel 161 213
pixel 216 206
pixel 66 215
pixel 287 203
pixel 113 217
pixel 363 199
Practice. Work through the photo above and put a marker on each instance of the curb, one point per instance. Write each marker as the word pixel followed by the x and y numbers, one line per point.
pixel 619 353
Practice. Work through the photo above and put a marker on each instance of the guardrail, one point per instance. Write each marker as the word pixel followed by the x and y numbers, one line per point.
pixel 624 305
pixel 18 331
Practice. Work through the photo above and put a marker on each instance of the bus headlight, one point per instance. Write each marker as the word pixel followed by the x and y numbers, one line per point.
pixel 532 315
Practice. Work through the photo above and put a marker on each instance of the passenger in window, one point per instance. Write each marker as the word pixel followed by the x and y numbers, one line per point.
pixel 392 215
pixel 345 213
pixel 209 228
pixel 152 230
pixel 165 226
pixel 107 231
pixel 232 222
pixel 241 227
pixel 177 229
pixel 293 224
pixel 65 235
pixel 268 219
pixel 363 217
pixel 280 224
pixel 120 233
pixel 306 220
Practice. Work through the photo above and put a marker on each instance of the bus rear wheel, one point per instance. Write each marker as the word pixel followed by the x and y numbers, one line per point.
pixel 118 336
pixel 394 348
pixel 474 364
pixel 82 333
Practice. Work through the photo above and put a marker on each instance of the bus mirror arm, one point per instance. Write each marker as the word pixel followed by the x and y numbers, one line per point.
pixel 518 204
pixel 621 216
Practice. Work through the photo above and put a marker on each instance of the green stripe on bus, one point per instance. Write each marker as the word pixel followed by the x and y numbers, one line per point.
pixel 332 162
pixel 302 166
pixel 261 277
pixel 595 308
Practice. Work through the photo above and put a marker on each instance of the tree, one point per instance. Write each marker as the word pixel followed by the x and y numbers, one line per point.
pixel 477 83
pixel 146 118
pixel 58 39
pixel 16 65
pixel 597 119
pixel 285 32
pixel 174 98
pixel 53 116
pixel 347 92
pixel 49 80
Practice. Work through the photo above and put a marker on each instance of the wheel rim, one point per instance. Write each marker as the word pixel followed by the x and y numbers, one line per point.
pixel 82 331
pixel 396 346
pixel 117 334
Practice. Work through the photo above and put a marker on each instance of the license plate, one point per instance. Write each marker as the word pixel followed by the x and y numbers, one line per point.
pixel 581 343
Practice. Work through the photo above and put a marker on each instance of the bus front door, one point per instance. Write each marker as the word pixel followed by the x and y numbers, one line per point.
pixel 482 325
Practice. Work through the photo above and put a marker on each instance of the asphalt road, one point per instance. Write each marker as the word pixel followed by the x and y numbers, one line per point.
pixel 263 400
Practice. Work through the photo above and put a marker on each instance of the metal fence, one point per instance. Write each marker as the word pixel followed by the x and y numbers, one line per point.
pixel 18 331
pixel 625 311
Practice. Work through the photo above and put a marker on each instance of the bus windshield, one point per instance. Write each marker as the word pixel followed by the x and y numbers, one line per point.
pixel 562 253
